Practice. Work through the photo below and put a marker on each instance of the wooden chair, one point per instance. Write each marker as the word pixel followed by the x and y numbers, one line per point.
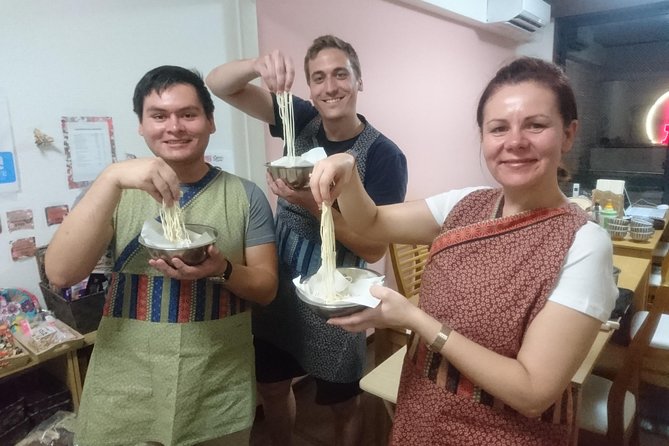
pixel 608 409
pixel 655 369
pixel 408 262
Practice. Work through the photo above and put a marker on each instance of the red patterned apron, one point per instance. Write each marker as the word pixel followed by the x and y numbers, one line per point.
pixel 487 278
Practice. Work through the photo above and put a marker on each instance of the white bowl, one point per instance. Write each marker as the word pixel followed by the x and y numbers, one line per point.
pixel 641 235
pixel 640 223
pixel 614 227
pixel 620 221
pixel 617 234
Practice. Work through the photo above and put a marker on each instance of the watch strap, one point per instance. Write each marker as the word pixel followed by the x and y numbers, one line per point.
pixel 440 340
pixel 226 274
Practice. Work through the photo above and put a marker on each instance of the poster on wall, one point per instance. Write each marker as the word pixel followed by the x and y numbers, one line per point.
pixel 23 248
pixel 8 176
pixel 20 219
pixel 225 159
pixel 89 147
pixel 56 214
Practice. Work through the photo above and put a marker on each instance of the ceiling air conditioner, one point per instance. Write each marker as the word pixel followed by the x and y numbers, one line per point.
pixel 515 19
pixel 523 15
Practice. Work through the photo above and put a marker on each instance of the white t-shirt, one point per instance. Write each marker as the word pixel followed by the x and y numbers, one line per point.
pixel 586 280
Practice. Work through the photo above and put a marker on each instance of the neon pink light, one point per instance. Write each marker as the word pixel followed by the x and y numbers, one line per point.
pixel 664 124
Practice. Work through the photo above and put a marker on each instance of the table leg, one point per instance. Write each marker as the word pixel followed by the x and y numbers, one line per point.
pixel 382 422
pixel 74 378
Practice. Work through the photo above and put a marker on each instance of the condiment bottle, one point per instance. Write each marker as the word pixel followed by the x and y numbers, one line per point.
pixel 597 213
pixel 608 213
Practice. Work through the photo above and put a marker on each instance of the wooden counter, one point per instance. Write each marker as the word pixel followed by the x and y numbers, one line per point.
pixel 634 275
pixel 630 248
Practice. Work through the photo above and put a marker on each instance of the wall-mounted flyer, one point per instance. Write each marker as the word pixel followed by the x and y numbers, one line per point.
pixel 9 181
pixel 89 147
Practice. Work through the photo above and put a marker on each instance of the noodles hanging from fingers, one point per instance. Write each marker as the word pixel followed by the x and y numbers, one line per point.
pixel 328 253
pixel 174 227
pixel 285 102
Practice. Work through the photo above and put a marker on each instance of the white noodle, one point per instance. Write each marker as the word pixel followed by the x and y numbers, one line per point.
pixel 285 102
pixel 328 254
pixel 174 227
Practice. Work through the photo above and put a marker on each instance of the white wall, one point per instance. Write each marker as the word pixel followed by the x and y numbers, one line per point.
pixel 83 58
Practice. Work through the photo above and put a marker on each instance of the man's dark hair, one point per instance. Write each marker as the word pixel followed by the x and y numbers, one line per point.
pixel 329 41
pixel 161 78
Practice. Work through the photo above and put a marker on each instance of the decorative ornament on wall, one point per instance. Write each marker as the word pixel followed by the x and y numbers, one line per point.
pixel 43 141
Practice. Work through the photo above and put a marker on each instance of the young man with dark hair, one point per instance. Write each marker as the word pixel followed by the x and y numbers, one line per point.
pixel 173 360
pixel 291 340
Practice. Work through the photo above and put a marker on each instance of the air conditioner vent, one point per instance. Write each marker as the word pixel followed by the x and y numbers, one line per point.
pixel 525 24
pixel 522 17
pixel 528 15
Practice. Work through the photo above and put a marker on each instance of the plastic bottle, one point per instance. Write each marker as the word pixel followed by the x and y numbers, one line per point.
pixel 597 213
pixel 608 212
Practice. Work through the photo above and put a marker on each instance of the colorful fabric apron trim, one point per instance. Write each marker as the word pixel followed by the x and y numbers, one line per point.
pixel 445 375
pixel 491 228
pixel 161 299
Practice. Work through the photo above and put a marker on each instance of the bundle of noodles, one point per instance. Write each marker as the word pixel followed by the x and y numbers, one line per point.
pixel 174 227
pixel 284 101
pixel 328 267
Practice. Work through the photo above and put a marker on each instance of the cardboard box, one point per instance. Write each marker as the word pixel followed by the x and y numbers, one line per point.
pixel 83 314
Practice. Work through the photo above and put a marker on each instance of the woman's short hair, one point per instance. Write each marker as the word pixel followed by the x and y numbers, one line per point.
pixel 530 69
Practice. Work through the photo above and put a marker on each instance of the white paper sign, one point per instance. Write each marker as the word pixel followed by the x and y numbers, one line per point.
pixel 89 145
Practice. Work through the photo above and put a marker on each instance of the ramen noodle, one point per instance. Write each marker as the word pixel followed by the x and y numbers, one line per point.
pixel 328 254
pixel 174 227
pixel 285 102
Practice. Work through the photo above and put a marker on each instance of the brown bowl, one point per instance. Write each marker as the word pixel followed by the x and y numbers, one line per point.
pixel 294 177
pixel 192 255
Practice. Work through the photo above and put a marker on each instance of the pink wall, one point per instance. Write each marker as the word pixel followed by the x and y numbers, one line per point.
pixel 422 77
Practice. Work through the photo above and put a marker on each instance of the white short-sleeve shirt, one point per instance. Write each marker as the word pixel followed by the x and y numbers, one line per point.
pixel 586 280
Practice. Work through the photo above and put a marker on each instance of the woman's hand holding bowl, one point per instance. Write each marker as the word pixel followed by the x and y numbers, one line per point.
pixel 394 310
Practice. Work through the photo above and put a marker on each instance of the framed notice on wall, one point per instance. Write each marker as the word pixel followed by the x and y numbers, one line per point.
pixel 8 176
pixel 89 147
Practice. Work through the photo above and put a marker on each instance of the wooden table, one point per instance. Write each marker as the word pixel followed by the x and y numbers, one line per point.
pixel 630 248
pixel 64 366
pixel 634 275
pixel 383 381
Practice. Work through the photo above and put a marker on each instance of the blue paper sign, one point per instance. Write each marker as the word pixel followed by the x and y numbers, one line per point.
pixel 7 169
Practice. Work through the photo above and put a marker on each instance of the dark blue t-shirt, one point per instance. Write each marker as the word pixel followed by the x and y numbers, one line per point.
pixel 386 173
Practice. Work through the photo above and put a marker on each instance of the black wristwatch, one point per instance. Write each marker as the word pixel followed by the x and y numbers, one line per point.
pixel 225 276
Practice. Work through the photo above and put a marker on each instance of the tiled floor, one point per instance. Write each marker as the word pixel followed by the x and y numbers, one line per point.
pixel 314 427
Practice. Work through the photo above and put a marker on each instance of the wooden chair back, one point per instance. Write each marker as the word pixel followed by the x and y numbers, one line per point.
pixel 627 380
pixel 408 263
pixel 655 369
